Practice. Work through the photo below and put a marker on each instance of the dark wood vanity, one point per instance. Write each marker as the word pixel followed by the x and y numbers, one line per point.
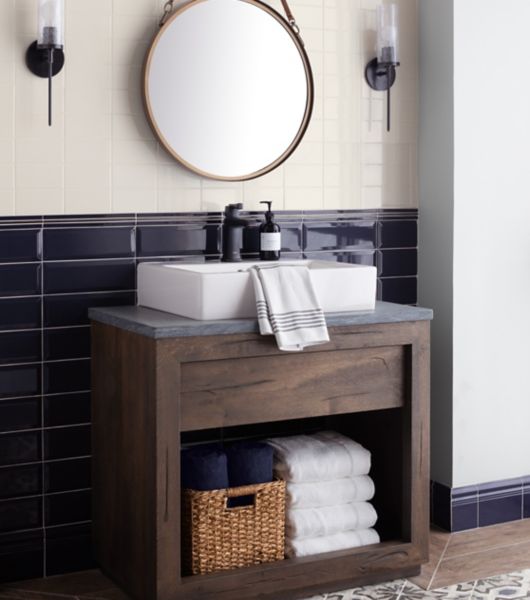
pixel 161 381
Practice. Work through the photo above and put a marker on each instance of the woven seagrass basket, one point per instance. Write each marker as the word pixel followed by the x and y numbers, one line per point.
pixel 218 538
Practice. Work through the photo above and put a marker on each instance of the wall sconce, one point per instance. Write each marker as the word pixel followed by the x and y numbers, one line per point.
pixel 380 73
pixel 45 57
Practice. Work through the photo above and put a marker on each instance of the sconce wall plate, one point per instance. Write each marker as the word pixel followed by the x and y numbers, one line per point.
pixel 37 60
pixel 380 77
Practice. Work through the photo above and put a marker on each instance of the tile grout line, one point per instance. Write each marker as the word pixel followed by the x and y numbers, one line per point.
pixel 439 563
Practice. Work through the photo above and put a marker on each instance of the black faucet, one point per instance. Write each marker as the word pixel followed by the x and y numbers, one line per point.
pixel 233 226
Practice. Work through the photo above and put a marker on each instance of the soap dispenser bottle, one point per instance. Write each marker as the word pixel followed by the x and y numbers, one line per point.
pixel 270 236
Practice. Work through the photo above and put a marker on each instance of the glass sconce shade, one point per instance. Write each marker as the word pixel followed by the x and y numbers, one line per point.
pixel 387 34
pixel 51 24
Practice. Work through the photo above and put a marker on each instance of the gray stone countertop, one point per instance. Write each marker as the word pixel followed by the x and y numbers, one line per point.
pixel 156 324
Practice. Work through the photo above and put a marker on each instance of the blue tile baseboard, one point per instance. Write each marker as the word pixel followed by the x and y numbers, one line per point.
pixel 491 503
pixel 52 270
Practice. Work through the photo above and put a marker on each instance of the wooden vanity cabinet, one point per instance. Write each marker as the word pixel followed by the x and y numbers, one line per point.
pixel 148 393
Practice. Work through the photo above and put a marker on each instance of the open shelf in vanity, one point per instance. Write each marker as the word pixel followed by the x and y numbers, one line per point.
pixel 162 381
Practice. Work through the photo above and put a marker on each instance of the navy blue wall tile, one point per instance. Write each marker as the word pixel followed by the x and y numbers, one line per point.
pixel 398 234
pixel 291 239
pixel 66 409
pixel 18 448
pixel 500 502
pixel 68 507
pixel 20 280
pixel 89 276
pixel 20 313
pixel 64 475
pixel 20 245
pixel 354 235
pixel 397 263
pixel 61 311
pixel 355 258
pixel 67 442
pixel 24 480
pixel 21 555
pixel 69 548
pixel 24 513
pixel 465 508
pixel 402 290
pixel 20 347
pixel 67 343
pixel 67 376
pixel 90 242
pixel 172 240
pixel 20 413
pixel 19 381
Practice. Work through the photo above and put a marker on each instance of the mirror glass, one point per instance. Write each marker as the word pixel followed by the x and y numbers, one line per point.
pixel 228 88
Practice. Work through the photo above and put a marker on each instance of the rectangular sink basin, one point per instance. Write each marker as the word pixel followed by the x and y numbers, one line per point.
pixel 214 291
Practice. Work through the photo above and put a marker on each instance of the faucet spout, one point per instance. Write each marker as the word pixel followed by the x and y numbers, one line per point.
pixel 233 225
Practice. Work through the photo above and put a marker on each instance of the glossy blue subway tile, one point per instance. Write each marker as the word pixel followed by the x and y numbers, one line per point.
pixel 20 313
pixel 19 381
pixel 69 548
pixel 88 242
pixel 67 343
pixel 401 290
pixel 398 234
pixel 20 347
pixel 66 409
pixel 20 245
pixel 67 507
pixel 16 448
pixel 24 480
pixel 67 442
pixel 291 239
pixel 353 235
pixel 464 508
pixel 66 376
pixel 23 513
pixel 21 555
pixel 500 502
pixel 397 263
pixel 441 505
pixel 177 240
pixel 20 413
pixel 526 503
pixel 89 276
pixel 355 258
pixel 64 311
pixel 20 280
pixel 64 475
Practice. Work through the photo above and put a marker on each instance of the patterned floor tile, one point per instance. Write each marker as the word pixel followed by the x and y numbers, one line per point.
pixel 512 586
pixel 461 591
pixel 383 591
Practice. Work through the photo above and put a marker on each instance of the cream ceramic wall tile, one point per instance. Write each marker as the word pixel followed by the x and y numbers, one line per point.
pixel 100 155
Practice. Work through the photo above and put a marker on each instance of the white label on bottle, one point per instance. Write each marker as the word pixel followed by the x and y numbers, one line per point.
pixel 271 242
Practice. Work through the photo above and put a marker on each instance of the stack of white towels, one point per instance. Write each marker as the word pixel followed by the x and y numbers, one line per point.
pixel 328 489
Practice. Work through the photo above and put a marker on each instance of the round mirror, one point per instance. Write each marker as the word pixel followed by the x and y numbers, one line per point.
pixel 228 88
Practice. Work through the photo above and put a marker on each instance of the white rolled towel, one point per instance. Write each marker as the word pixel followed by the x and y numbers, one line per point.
pixel 319 457
pixel 336 491
pixel 330 543
pixel 313 522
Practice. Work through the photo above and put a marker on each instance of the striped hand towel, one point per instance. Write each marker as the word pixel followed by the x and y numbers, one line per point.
pixel 288 306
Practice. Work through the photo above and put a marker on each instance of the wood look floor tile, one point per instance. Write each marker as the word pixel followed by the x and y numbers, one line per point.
pixel 73 584
pixel 437 545
pixel 480 565
pixel 110 594
pixel 485 538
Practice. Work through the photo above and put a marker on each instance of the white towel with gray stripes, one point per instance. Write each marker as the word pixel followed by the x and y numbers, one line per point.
pixel 288 307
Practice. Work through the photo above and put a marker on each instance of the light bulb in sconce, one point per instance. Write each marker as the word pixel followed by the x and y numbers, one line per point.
pixel 45 57
pixel 380 73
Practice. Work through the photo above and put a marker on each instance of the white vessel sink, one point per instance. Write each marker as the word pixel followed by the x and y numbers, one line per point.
pixel 214 291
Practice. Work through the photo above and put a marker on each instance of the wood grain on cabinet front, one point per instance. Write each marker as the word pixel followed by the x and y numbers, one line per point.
pixel 146 392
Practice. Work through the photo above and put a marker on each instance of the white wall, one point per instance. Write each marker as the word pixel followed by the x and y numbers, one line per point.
pixel 435 281
pixel 100 155
pixel 491 409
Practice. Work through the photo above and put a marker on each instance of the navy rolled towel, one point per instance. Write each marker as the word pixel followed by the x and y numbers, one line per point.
pixel 249 463
pixel 204 468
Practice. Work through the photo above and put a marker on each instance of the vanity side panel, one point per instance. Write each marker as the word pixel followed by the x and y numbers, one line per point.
pixel 124 458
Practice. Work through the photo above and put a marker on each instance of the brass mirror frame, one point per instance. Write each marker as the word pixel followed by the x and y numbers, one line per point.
pixel 297 40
